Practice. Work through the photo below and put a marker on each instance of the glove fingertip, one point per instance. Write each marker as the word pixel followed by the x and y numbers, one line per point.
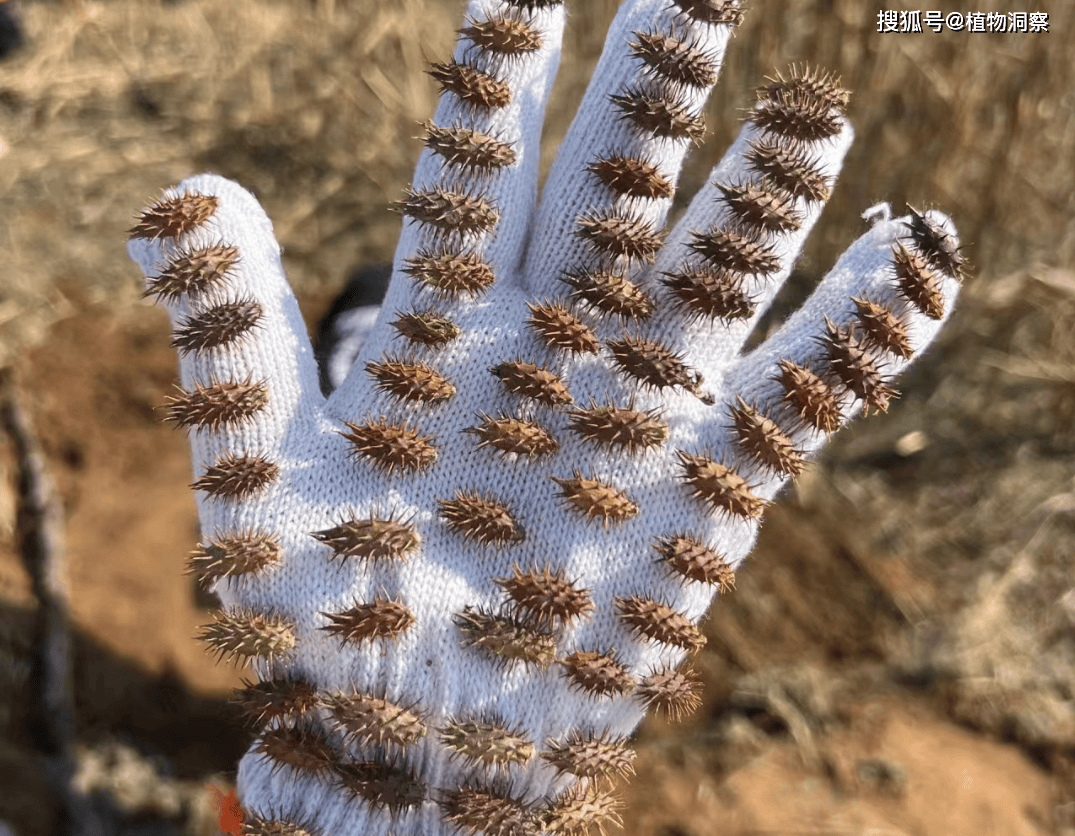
pixel 210 258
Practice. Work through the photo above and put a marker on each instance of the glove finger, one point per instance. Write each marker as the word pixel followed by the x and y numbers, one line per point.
pixel 467 214
pixel 347 324
pixel 475 185
pixel 729 255
pixel 878 310
pixel 247 371
pixel 342 340
pixel 608 194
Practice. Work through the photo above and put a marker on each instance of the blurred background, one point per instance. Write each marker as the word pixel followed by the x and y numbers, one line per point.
pixel 899 656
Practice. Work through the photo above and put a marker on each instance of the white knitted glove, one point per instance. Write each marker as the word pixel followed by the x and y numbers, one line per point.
pixel 465 577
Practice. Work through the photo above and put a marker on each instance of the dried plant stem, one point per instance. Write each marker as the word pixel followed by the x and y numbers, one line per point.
pixel 40 538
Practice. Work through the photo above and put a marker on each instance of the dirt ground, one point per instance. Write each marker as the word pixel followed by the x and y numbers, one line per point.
pixel 899 656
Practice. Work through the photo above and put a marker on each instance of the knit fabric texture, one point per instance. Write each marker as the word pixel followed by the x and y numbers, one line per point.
pixel 464 577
